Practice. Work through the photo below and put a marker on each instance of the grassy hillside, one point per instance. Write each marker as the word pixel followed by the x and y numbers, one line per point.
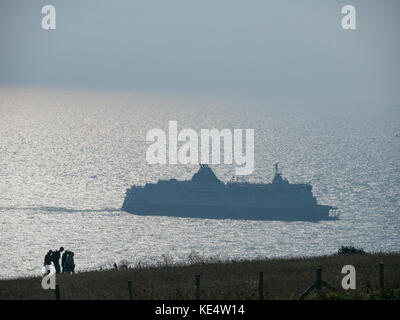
pixel 283 279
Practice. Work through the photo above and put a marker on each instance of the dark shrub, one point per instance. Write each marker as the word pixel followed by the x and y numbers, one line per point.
pixel 344 250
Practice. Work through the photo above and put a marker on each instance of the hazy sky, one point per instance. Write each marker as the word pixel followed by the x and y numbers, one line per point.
pixel 295 49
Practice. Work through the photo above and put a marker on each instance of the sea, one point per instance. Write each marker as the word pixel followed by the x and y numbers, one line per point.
pixel 68 155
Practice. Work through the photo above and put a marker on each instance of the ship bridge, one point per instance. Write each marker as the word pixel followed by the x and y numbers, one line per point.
pixel 205 175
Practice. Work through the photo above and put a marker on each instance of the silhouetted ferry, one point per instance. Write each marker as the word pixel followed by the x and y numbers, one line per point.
pixel 205 196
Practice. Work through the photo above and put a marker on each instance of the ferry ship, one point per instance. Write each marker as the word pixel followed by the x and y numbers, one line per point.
pixel 205 196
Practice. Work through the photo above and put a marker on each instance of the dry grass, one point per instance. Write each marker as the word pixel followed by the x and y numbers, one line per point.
pixel 283 279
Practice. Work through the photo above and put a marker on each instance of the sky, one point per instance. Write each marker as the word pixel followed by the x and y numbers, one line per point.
pixel 287 49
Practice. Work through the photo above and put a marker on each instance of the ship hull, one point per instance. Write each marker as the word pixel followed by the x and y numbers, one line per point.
pixel 316 213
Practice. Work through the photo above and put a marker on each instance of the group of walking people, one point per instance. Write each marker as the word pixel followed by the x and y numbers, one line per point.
pixel 67 261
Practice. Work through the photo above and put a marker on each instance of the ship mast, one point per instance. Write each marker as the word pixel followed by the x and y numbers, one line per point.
pixel 276 168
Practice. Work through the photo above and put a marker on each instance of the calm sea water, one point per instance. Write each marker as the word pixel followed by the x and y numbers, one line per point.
pixel 66 158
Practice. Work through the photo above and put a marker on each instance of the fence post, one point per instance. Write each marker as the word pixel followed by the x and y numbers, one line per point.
pixel 197 282
pixel 57 292
pixel 318 283
pixel 382 279
pixel 261 286
pixel 130 290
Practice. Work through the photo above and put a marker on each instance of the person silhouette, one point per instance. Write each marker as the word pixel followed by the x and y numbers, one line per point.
pixel 69 263
pixel 47 261
pixel 63 260
pixel 56 259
